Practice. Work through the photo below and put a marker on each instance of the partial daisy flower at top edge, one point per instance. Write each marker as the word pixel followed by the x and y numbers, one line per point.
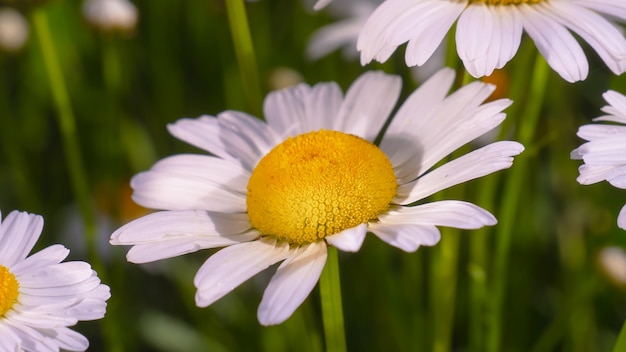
pixel 309 177
pixel 40 295
pixel 489 32
pixel 604 153
pixel 343 34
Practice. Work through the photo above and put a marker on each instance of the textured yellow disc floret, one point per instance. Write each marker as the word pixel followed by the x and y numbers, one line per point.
pixel 8 290
pixel 506 2
pixel 319 184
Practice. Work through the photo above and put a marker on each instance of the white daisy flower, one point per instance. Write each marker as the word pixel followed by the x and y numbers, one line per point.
pixel 309 177
pixel 111 15
pixel 488 32
pixel 604 153
pixel 39 295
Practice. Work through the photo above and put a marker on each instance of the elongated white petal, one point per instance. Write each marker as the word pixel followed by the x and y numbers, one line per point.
pixel 302 108
pixel 621 218
pixel 604 37
pixel 407 237
pixel 45 257
pixel 231 266
pixel 168 190
pixel 555 43
pixel 294 279
pixel 150 252
pixel 169 225
pixel 18 233
pixel 451 213
pixel 171 233
pixel 617 177
pixel 349 240
pixel 481 162
pixel 367 104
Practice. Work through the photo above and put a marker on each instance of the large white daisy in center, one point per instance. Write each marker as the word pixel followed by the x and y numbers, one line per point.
pixel 488 32
pixel 309 177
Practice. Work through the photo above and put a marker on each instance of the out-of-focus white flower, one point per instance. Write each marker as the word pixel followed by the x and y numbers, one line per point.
pixel 14 30
pixel 604 153
pixel 613 262
pixel 310 177
pixel 111 15
pixel 352 15
pixel 489 32
pixel 344 33
pixel 40 295
pixel 284 77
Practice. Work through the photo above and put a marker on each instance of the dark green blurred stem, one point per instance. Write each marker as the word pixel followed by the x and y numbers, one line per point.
pixel 12 148
pixel 244 50
pixel 67 126
pixel 620 345
pixel 332 311
pixel 526 126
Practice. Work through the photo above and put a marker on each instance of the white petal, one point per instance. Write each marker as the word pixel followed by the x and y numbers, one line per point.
pixel 292 283
pixel 320 4
pixel 69 339
pixel 487 37
pixel 231 266
pixel 450 213
pixel 349 240
pixel 172 233
pixel 245 137
pixel 481 162
pixel 604 37
pixel 150 252
pixel 174 185
pixel 62 274
pixel 374 37
pixel 435 27
pixel 555 43
pixel 334 36
pixel 433 134
pixel 621 218
pixel 168 225
pixel 617 177
pixel 601 131
pixel 608 7
pixel 302 108
pixel 18 233
pixel 367 104
pixel 408 237
pixel 48 256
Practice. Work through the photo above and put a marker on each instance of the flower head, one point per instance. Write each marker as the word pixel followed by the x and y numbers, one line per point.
pixel 40 297
pixel 111 15
pixel 309 177
pixel 14 30
pixel 604 153
pixel 489 32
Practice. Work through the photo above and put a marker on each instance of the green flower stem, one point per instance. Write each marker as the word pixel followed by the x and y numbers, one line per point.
pixel 67 127
pixel 332 313
pixel 526 125
pixel 244 51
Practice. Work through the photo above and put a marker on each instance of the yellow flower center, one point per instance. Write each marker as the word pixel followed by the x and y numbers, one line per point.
pixel 8 290
pixel 506 2
pixel 319 184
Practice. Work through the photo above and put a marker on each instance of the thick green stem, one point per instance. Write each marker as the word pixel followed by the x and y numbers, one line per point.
pixel 526 126
pixel 332 311
pixel 244 50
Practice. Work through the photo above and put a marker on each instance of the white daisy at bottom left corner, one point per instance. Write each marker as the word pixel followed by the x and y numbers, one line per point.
pixel 40 295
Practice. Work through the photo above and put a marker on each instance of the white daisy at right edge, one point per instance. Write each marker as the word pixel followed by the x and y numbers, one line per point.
pixel 604 153
pixel 489 32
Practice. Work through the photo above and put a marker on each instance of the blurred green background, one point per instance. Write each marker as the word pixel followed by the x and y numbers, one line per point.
pixel 178 62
